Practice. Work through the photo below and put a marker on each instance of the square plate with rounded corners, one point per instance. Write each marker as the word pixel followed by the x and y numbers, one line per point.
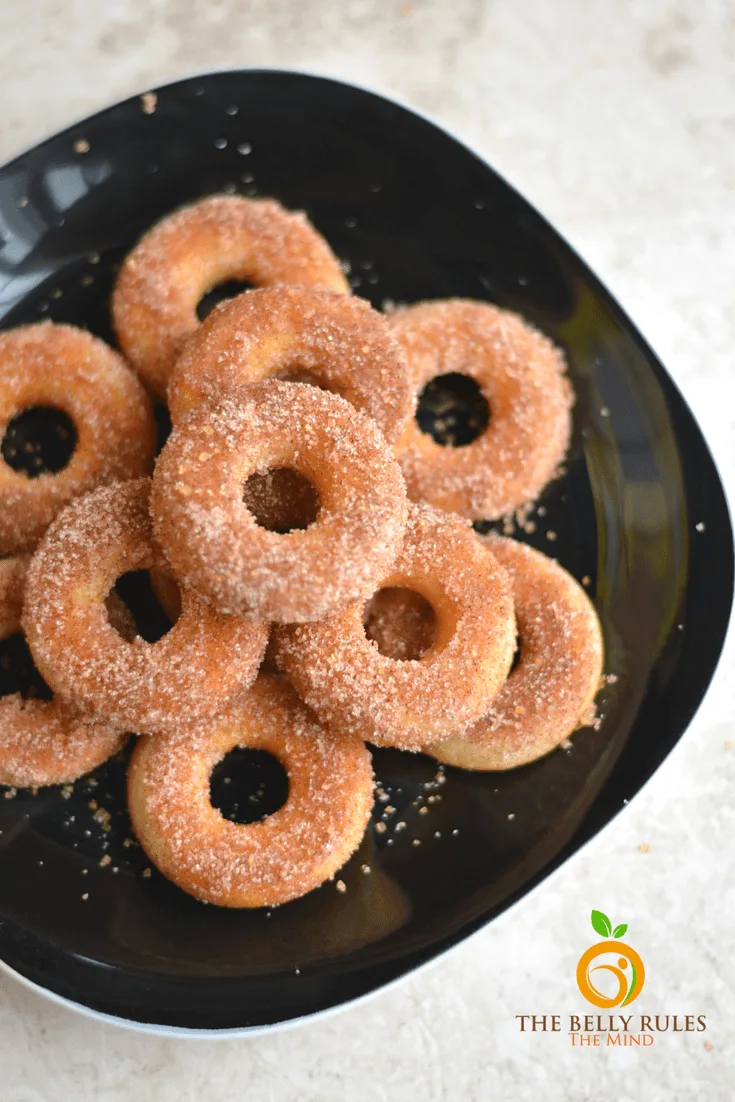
pixel 640 510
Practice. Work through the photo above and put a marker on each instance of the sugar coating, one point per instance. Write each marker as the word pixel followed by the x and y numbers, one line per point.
pixel 213 542
pixel 192 250
pixel 521 375
pixel 551 691
pixel 281 857
pixel 46 742
pixel 303 333
pixel 351 686
pixel 192 671
pixel 68 369
pixel 12 584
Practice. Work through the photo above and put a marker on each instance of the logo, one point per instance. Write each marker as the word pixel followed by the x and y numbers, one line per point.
pixel 610 975
pixel 618 976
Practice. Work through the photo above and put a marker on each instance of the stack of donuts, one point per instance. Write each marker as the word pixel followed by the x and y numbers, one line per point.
pixel 313 548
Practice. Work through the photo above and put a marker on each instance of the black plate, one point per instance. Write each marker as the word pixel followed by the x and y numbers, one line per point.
pixel 640 511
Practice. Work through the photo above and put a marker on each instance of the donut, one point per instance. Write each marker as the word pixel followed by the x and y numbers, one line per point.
pixel 12 584
pixel 58 366
pixel 351 686
pixel 190 672
pixel 303 334
pixel 182 257
pixel 214 544
pixel 281 857
pixel 551 690
pixel 46 742
pixel 43 742
pixel 520 373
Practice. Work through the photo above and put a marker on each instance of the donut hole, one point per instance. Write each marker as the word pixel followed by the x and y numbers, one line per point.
pixel 18 673
pixel 281 500
pixel 134 609
pixel 162 419
pixel 39 440
pixel 401 623
pixel 248 785
pixel 453 410
pixel 229 288
pixel 298 374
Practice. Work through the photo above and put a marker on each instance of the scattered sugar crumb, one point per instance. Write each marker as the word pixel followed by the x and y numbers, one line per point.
pixel 147 873
pixel 85 897
pixel 511 816
pixel 700 527
pixel 81 145
pixel 644 847
pixel 148 102
pixel 380 828
pixel 341 886
pixel 365 869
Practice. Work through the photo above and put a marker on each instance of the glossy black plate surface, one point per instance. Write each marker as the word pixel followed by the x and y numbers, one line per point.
pixel 640 512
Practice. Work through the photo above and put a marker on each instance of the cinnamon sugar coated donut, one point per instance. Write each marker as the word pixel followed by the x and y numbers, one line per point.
pixel 43 742
pixel 337 341
pixel 286 854
pixel 213 542
pixel 223 237
pixel 58 366
pixel 551 691
pixel 46 742
pixel 191 671
pixel 351 686
pixel 12 585
pixel 520 374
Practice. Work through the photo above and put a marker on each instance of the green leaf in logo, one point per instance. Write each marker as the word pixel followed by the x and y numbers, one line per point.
pixel 620 930
pixel 601 924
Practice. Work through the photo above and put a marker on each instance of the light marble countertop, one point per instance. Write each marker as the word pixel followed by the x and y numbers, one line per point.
pixel 618 121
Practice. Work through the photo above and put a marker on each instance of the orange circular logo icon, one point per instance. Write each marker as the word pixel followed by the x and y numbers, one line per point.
pixel 622 963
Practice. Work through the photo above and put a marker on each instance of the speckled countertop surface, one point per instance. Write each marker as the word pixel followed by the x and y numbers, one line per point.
pixel 618 121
